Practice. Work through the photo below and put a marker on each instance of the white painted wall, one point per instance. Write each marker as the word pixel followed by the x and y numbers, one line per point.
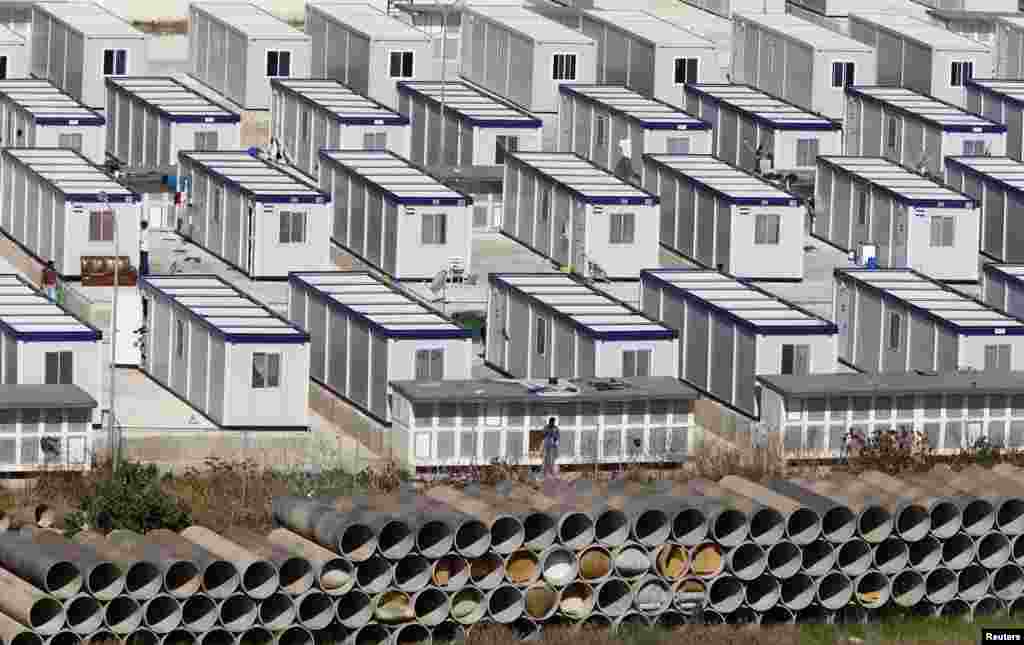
pixel 93 139
pixel 784 260
pixel 656 141
pixel 958 262
pixel 664 356
pixel 183 136
pixel 822 347
pixel 953 142
pixel 485 142
pixel 984 67
pixel 458 357
pixel 257 85
pixel 831 101
pixel 274 259
pixel 286 405
pixel 86 366
pixel 623 260
pixel 417 260
pixel 76 237
pixel 972 350
pixel 382 87
pixel 829 143
pixel 399 138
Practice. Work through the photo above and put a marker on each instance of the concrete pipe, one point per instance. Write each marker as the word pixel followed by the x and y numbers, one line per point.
pixel 651 595
pixel 396 538
pixel 706 560
pixel 596 621
pixel 526 630
pixel 540 601
pixel 469 606
pixel 1008 582
pixel 874 524
pixel 711 617
pixel 838 522
pixel 540 530
pixel 472 538
pixel 375 574
pixel 835 590
pixel 238 613
pixel 978 516
pixel 435 538
pixel 393 607
pixel 1010 516
pixel 925 609
pixel 651 523
pixel 993 550
pixel 142 637
pixel 630 622
pixel 1017 550
pixel 449 632
pixel 689 595
pixel 767 525
pixel 276 612
pixel 411 634
pixel 891 555
pixel 956 608
pixel 817 558
pixel 295 635
pixel 122 615
pixel 101 578
pixel 450 572
pixel 102 637
pixel 940 585
pixel 987 607
pixel 614 597
pixel 64 637
pixel 259 577
pixel 220 577
pixel 332 575
pixel 29 605
pixel 522 568
pixel 216 637
pixel 763 593
pixel 199 613
pixel 747 561
pixel 690 526
pixel 785 559
pixel 256 636
pixel 815 615
pixel 958 551
pixel 631 561
pixel 778 615
pixel 15 633
pixel 908 588
pixel 37 564
pixel 179 637
pixel 180 577
pixel 371 634
pixel 411 573
pixel 924 555
pixel 972 582
pixel 431 607
pixel 142 579
pixel 799 523
pixel 611 527
pixel 797 592
pixel 742 616
pixel 299 514
pixel 505 604
pixel 354 609
pixel 576 601
pixel 852 615
pixel 872 589
pixel 1017 607
pixel 912 521
pixel 162 614
pixel 672 561
pixel 726 594
pixel 487 572
pixel 946 518
pixel 854 557
pixel 595 563
pixel 575 530
pixel 314 610
pixel 507 534
pixel 558 566
pixel 670 620
pixel 727 526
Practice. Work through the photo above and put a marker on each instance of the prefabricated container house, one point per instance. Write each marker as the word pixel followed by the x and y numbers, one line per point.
pixel 238 363
pixel 702 22
pixel 720 216
pixel 898 320
pixel 368 50
pixel 804 63
pixel 743 118
pixel 75 45
pixel 568 209
pixel 915 130
pixel 976 24
pixel 1001 101
pixel 366 332
pixel 394 215
pixel 553 325
pixel 730 331
pixel 152 119
pixel 261 219
pixel 835 14
pixel 442 21
pixel 312 114
pixel 13 54
pixel 919 55
pixel 57 205
pixel 729 8
pixel 997 184
pixel 911 220
pixel 598 121
pixel 1003 287
pixel 1009 48
pixel 237 47
pixel 34 113
pixel 45 427
pixel 456 424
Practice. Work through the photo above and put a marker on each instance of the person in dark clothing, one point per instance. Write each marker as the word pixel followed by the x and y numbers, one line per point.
pixel 551 440
pixel 50 280
pixel 624 168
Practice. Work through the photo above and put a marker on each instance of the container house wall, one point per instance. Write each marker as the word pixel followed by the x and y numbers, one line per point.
pixel 821 349
pixel 1002 214
pixel 17 59
pixel 1009 50
pixel 86 366
pixel 258 95
pixel 413 258
pixel 942 61
pixel 485 143
pixel 747 258
pixel 1008 112
pixel 220 58
pixel 286 405
pixel 1003 293
pixel 729 7
pixel 972 351
pixel 458 357
pixel 93 148
pixel 273 259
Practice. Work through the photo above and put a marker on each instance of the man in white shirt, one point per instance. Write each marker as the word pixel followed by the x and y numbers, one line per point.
pixel 144 248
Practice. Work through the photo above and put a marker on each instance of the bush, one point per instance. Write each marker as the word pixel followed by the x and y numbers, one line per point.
pixel 132 498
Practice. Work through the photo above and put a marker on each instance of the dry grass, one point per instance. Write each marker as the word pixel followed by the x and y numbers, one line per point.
pixel 171 26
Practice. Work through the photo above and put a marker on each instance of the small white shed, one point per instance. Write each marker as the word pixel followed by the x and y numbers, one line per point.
pixel 75 45
pixel 35 113
pixel 311 114
pixel 912 220
pixel 237 47
pixel 233 360
pixel 262 219
pixel 151 119
pixel 396 216
pixel 1001 101
pixel 997 184
pixel 725 218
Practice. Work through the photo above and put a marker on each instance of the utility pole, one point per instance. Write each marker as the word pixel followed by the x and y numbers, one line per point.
pixel 112 438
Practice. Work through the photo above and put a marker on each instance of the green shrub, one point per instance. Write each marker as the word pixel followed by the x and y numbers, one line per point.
pixel 132 498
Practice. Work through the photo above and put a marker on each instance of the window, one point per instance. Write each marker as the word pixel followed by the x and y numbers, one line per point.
pixel 71 141
pixel 636 362
pixel 401 64
pixel 796 360
pixel 304 125
pixel 842 74
pixel 3 67
pixel 115 62
pixel 862 208
pixel 503 144
pixel 892 139
pixel 266 370
pixel 806 153
pixel 435 228
pixel 101 226
pixel 293 227
pixel 686 71
pixel 375 141
pixel 542 336
pixel 58 368
pixel 206 140
pixel 279 64
pixel 563 67
pixel 600 130
pixel 997 357
pixel 678 145
pixel 960 72
pixel 943 230
pixel 179 338
pixel 622 230
pixel 429 364
pixel 895 337
pixel 974 148
pixel 766 229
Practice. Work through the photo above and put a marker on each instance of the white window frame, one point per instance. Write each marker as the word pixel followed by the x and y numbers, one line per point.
pixel 429 350
pixel 305 124
pixel 845 82
pixel 277 74
pixel 290 238
pixel 601 123
pixel 424 229
pixel 403 52
pixel 892 133
pixel 766 239
pixel 682 142
pixel 686 69
pixel 975 143
pixel 103 62
pixel 204 134
pixel 637 351
pixel 623 217
pixel 267 357
pixel 575 66
pixel 179 338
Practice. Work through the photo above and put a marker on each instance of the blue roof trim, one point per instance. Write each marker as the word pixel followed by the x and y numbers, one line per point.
pixel 993 267
pixel 791 201
pixel 647 199
pixel 319 197
pixel 829 125
pixel 965 202
pixel 985 177
pixel 218 114
pixel 991 127
pixel 528 121
pixel 366 120
pixel 90 334
pixel 89 120
pixel 463 200
pixel 222 119
pixel 685 122
pixel 93 198
pixel 973 83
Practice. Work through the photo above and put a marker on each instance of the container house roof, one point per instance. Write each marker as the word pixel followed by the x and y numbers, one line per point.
pixel 895 383
pixel 399 180
pixel 592 312
pixel 948 117
pixel 589 183
pixel 1007 173
pixel 531 26
pixel 250 20
pixel 224 310
pixel 945 305
pixel 1010 272
pixel 369 21
pixel 815 36
pixel 346 105
pixel 733 184
pixel 700 21
pixel 649 27
pixel 256 178
pixel 1010 90
pixel 177 102
pixel 764 108
pixel 71 174
pixel 48 104
pixel 389 310
pixel 898 182
pixel 649 113
pixel 45 397
pixel 90 19
pixel 747 305
pixel 29 316
pixel 578 390
pixel 471 104
pixel 929 35
pixel 10 37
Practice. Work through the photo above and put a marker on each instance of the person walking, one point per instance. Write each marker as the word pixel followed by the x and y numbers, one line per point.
pixel 551 439
pixel 50 280
pixel 144 248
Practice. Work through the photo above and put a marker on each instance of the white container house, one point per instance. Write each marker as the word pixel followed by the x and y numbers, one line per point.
pixel 233 360
pixel 368 50
pixel 1008 49
pixel 729 8
pixel 366 332
pixel 976 24
pixel 997 185
pixel 730 331
pixel 395 216
pixel 911 220
pixel 595 120
pixel 312 114
pixel 835 14
pixel 804 63
pixel 13 54
pixel 238 47
pixel 724 218
pixel 75 45
pixel 915 130
pixel 708 25
pixel 554 325
pixel 743 118
pixel 1003 287
pixel 261 219
pixel 898 320
pixel 35 113
pixel 1002 101
pixel 920 55
pixel 152 119
pixel 57 205
pixel 569 210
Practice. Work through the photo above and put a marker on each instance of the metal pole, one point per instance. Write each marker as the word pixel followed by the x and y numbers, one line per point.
pixel 111 437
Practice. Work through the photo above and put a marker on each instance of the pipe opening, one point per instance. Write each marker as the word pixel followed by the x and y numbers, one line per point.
pixel 396 540
pixel 505 604
pixel 672 561
pixel 742 616
pixel 558 566
pixel 84 614
pixel 182 579
pixel 925 554
pixel 872 589
pixel 142 637
pixel 913 522
pixel 611 528
pixel 162 614
pixel 220 579
pixel 296 576
pixel 260 579
pixel 412 573
pixel 277 612
pixel 238 613
pixel 972 583
pixel 797 592
pixel 472 538
pixel 540 531
pixel 614 597
pixel 784 559
pixel 507 534
pixel 450 572
pixel 709 617
pixel 337 576
pixel 925 609
pixel 707 560
pixel 632 561
pixel 522 568
pixel 199 613
pixel 818 558
pixel 449 632
pixel 958 551
pixel 431 607
pixel 652 595
pixel 652 527
pixel 814 615
pixel 63 580
pixel 993 550
pixel 988 606
pixel 105 581
pixel 393 607
pixel 372 635
pixel 748 561
pixel 946 519
pixel 596 621
pixel 411 634
pixel 803 526
pixel 725 594
pixel 908 588
pixel 834 590
pixel 576 530
pixel 468 606
pixel 955 608
pixel 767 526
pixel 690 595
pixel 435 538
pixel 854 557
pixel 354 609
pixel 46 616
pixel 1010 516
pixel 315 610
pixel 525 629
pixel 373 575
pixel 778 615
pixel 730 527
pixel 357 542
pixel 838 524
pixel 632 622
pixel 256 636
pixel 487 572
pixel 763 593
pixel 874 524
pixel 1008 582
pixel 891 555
pixel 122 615
pixel 576 601
pixel 852 615
pixel 142 580
pixel 217 637
pixel 690 526
pixel 541 602
pixel 595 563
pixel 979 517
pixel 103 637
pixel 66 637
pixel 178 637
pixel 940 585
pixel 295 635
pixel 669 620
pixel 45 516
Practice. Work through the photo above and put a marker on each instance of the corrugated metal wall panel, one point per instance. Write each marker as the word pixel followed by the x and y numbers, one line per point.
pixel 1014 133
pixel 519 336
pixel 298 298
pixel 357 218
pixel 374 237
pixel 894 359
pixel 46 222
pixel 152 130
pixel 40 36
pixel 318 46
pixel 664 185
pixel 180 362
pixel 723 237
pixel 521 73
pixel 76 55
pixel 697 345
pixel 359 363
pixel 686 214
pixel 339 353
pixel 335 64
pixel 390 237
pixel 862 31
pixel 200 26
pixel 433 135
pixel 510 209
pixel 745 362
pixel 527 204
pixel 217 375
pixel 198 367
pixel 948 359
pixel 59 62
pixel 799 71
pixel 451 140
pixel 32 207
pixel 705 242
pixel 359 69
pixel 889 49
pixel 871 129
pixel 751 55
pixel 868 331
pixel 234 213
pixel 922 338
pixel 114 124
pixel 162 343
pixel 165 143
pixel 917 67
pixel 379 377
pixel 565 342
pixel 641 68
pixel 722 367
pixel 1014 228
pixel 138 150
pixel 219 57
pixel 419 131
pixel 992 226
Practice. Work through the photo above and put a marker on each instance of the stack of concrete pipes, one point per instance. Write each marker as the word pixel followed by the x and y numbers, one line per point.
pixel 732 551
